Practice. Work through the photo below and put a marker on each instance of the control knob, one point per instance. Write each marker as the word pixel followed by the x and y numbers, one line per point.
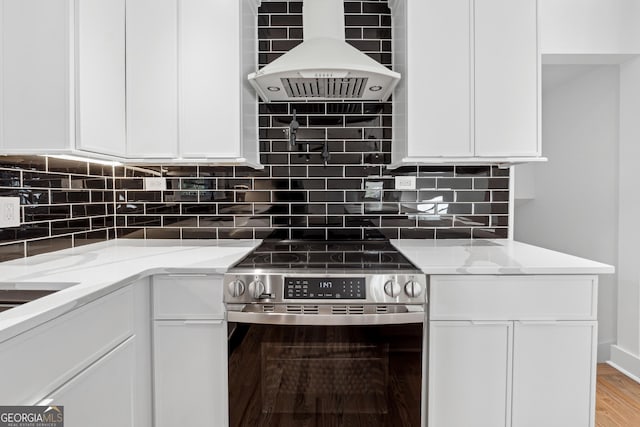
pixel 256 288
pixel 236 288
pixel 391 288
pixel 413 288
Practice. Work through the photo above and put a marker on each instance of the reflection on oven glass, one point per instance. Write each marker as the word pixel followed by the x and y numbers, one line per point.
pixel 328 373
pixel 325 375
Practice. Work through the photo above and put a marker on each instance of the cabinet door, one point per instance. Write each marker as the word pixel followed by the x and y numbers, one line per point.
pixel 469 374
pixel 190 372
pixel 506 78
pixel 439 79
pixel 35 66
pixel 554 374
pixel 102 395
pixel 152 78
pixel 100 76
pixel 209 39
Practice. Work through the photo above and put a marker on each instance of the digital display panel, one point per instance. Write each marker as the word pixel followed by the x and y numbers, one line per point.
pixel 324 288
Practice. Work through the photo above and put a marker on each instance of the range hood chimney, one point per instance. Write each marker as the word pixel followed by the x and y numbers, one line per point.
pixel 324 66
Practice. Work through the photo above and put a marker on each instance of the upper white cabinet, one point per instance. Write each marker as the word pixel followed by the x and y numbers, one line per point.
pixel 470 81
pixel 506 78
pixel 187 94
pixel 152 78
pixel 141 80
pixel 62 76
pixel 100 78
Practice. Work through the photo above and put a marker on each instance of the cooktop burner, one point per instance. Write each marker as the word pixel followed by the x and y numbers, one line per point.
pixel 344 255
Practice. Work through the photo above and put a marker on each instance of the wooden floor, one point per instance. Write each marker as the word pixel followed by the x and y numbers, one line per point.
pixel 617 399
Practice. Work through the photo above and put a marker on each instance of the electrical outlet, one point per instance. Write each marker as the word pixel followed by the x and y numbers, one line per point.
pixel 405 182
pixel 9 212
pixel 155 184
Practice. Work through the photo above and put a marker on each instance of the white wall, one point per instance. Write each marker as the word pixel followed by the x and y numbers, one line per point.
pixel 575 208
pixel 626 353
pixel 590 26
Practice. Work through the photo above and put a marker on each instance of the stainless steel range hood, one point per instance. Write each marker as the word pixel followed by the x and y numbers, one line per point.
pixel 324 66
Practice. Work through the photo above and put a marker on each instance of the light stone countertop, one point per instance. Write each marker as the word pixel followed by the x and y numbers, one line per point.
pixel 86 273
pixel 493 257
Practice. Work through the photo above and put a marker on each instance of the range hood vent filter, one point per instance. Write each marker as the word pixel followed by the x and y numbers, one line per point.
pixel 332 88
pixel 324 66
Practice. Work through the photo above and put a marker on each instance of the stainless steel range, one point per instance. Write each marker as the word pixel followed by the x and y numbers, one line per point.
pixel 326 333
pixel 321 279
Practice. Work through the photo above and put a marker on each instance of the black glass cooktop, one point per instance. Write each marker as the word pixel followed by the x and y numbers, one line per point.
pixel 345 255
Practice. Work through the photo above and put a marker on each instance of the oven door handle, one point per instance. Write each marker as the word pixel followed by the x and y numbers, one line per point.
pixel 412 316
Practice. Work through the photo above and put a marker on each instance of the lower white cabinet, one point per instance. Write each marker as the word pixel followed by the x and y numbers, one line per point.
pixel 469 374
pixel 553 374
pixel 532 365
pixel 189 351
pixel 190 360
pixel 103 394
pixel 73 341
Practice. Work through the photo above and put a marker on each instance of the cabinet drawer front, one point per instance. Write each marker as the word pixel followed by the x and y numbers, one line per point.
pixel 513 297
pixel 41 359
pixel 187 297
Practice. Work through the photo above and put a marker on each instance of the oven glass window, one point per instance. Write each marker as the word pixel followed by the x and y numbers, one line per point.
pixel 325 375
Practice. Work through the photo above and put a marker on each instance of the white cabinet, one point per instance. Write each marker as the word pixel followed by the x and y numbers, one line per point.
pixel 100 76
pixel 93 357
pixel 433 101
pixel 506 67
pixel 469 374
pixel 470 81
pixel 62 76
pixel 554 368
pixel 36 74
pixel 189 351
pixel 73 341
pixel 190 360
pixel 513 351
pixel 211 79
pixel 187 94
pixel 140 80
pixel 103 394
pixel 152 78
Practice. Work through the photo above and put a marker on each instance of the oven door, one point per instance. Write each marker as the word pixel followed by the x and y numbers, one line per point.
pixel 302 374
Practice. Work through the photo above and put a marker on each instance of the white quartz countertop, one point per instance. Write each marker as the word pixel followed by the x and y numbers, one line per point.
pixel 493 257
pixel 89 272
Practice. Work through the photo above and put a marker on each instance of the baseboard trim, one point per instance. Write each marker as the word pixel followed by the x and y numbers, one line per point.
pixel 625 362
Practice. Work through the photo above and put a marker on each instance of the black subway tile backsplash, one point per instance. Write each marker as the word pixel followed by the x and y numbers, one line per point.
pixel 35 247
pixel 12 251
